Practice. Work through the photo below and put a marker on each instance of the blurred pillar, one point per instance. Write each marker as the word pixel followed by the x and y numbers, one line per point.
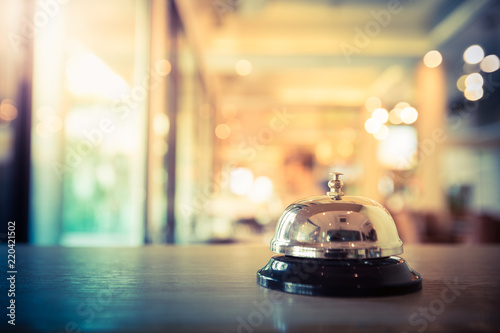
pixel 156 202
pixel 16 52
pixel 372 169
pixel 431 106
pixel 170 160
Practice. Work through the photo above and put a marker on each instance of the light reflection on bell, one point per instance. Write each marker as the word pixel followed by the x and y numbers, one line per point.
pixel 336 245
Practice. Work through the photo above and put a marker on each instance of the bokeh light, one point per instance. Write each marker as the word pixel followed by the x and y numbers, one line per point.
pixel 402 105
pixel 372 103
pixel 53 123
pixel 490 63
pixel 372 126
pixel 43 112
pixel 262 189
pixel 433 59
pixel 381 115
pixel 474 92
pixel 241 181
pixel 474 78
pixel 461 83
pixel 163 67
pixel 409 115
pixel 395 116
pixel 382 133
pixel 474 54
pixel 161 124
pixel 223 131
pixel 8 111
pixel 243 67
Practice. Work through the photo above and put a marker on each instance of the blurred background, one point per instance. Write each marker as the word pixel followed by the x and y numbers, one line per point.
pixel 129 122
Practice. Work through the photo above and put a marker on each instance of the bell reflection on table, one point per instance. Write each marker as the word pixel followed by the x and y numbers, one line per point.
pixel 350 240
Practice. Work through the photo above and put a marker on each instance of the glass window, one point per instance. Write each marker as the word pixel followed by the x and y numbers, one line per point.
pixel 90 94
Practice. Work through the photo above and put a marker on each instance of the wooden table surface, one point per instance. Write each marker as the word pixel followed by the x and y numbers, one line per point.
pixel 212 288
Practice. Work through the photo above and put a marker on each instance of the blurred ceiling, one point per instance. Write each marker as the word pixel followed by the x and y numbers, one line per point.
pixel 324 53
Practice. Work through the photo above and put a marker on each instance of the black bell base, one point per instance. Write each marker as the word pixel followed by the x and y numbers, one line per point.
pixel 333 277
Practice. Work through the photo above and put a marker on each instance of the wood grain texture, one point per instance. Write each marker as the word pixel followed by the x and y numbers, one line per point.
pixel 213 288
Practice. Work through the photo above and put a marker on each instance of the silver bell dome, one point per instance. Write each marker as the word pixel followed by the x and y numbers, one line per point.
pixel 335 226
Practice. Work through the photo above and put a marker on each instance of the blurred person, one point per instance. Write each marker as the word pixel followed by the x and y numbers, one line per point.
pixel 299 178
